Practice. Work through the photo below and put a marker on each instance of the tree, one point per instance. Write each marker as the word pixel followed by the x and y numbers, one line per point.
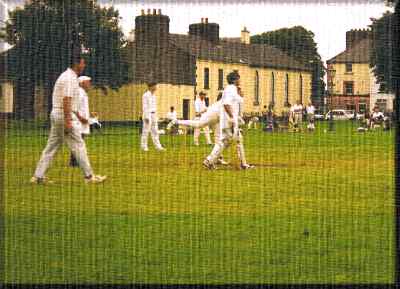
pixel 44 32
pixel 381 51
pixel 298 43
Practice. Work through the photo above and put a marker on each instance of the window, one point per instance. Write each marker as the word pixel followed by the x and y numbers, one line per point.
pixel 206 78
pixel 349 67
pixel 301 88
pixel 220 79
pixel 273 88
pixel 287 90
pixel 257 89
pixel 348 87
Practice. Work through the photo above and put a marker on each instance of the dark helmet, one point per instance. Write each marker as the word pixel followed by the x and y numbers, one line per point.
pixel 231 77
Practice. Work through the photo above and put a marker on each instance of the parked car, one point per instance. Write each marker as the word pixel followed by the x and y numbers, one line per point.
pixel 319 115
pixel 340 114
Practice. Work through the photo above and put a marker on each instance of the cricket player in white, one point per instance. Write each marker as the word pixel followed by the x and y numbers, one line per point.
pixel 200 108
pixel 209 118
pixel 229 123
pixel 83 113
pixel 171 115
pixel 65 125
pixel 310 109
pixel 150 125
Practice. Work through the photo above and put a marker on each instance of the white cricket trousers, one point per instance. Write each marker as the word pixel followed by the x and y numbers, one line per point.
pixel 150 127
pixel 57 137
pixel 196 133
pixel 201 122
pixel 225 140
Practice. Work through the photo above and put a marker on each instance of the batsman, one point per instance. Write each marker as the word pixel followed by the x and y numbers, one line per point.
pixel 231 107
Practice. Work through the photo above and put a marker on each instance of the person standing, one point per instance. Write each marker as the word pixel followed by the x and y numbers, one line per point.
pixel 231 105
pixel 65 124
pixel 297 115
pixel 150 125
pixel 310 110
pixel 171 115
pixel 200 108
pixel 83 113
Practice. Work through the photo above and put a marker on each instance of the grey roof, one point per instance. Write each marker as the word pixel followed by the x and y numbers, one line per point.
pixel 256 55
pixel 359 53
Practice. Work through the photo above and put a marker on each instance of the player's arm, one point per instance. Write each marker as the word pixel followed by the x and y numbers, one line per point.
pixel 228 109
pixel 81 118
pixel 67 112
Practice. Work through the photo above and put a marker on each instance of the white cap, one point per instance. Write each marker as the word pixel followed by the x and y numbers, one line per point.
pixel 83 78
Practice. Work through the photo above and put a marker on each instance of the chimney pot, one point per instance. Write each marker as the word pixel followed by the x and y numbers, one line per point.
pixel 142 11
pixel 148 11
pixel 206 20
pixel 159 11
pixel 154 11
pixel 202 20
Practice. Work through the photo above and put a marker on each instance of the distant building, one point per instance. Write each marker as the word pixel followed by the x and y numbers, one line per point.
pixel 184 65
pixel 350 78
pixel 200 61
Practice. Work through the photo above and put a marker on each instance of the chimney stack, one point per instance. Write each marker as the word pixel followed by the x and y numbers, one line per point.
pixel 202 20
pixel 159 11
pixel 245 36
pixel 154 12
pixel 142 11
pixel 148 11
pixel 206 20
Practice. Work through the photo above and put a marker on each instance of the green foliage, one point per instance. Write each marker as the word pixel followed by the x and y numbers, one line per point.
pixel 381 56
pixel 298 43
pixel 44 32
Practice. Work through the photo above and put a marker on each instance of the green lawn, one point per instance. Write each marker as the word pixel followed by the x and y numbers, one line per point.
pixel 318 208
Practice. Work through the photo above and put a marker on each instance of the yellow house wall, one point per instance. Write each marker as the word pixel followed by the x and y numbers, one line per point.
pixel 126 103
pixel 248 76
pixel 360 75
pixel 173 95
pixel 7 97
pixel 121 105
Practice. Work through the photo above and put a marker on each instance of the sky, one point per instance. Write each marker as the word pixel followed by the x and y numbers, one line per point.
pixel 327 19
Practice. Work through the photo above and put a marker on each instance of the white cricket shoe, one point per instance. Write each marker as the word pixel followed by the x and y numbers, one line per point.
pixel 221 161
pixel 145 149
pixel 96 179
pixel 247 167
pixel 209 165
pixel 161 149
pixel 40 181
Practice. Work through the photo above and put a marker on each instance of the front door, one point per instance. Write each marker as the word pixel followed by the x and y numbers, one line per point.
pixel 186 109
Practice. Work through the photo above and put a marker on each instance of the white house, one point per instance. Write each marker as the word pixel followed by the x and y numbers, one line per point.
pixel 383 100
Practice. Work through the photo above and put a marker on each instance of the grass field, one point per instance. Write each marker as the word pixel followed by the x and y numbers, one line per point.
pixel 318 208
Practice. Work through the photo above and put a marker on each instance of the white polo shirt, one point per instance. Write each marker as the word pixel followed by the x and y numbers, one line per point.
pixel 310 109
pixel 297 108
pixel 67 85
pixel 199 105
pixel 149 103
pixel 230 97
pixel 172 115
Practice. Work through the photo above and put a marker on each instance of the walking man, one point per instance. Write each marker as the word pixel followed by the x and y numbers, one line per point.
pixel 65 124
pixel 200 108
pixel 150 125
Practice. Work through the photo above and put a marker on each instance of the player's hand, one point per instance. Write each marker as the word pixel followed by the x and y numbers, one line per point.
pixel 146 120
pixel 68 126
pixel 84 121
